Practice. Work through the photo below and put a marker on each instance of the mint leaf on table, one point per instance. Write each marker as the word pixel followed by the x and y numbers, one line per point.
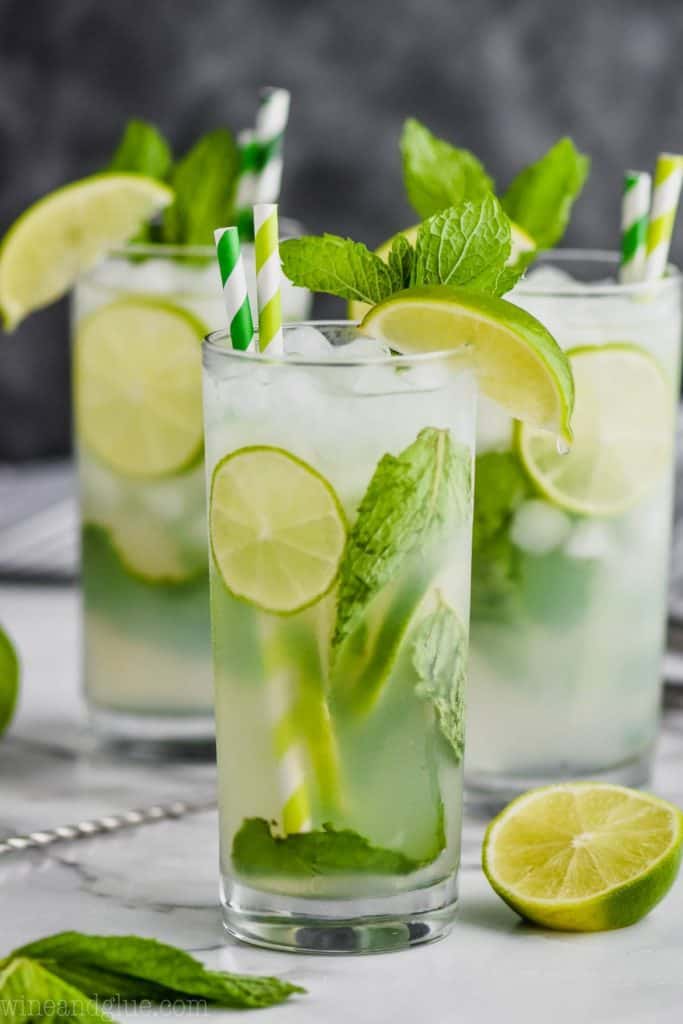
pixel 204 182
pixel 411 500
pixel 130 967
pixel 467 245
pixel 541 196
pixel 437 174
pixel 440 660
pixel 501 487
pixel 142 150
pixel 32 994
pixel 327 851
pixel 328 263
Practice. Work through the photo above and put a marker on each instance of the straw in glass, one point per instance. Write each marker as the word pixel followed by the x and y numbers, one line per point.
pixel 234 281
pixel 635 208
pixel 268 278
pixel 261 157
pixel 666 193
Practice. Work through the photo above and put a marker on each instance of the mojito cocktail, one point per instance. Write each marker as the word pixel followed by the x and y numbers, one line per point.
pixel 138 321
pixel 571 549
pixel 340 514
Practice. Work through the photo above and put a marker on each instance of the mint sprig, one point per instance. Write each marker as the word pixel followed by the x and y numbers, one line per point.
pixel 540 198
pixel 467 245
pixel 328 263
pixel 142 150
pixel 440 660
pixel 70 973
pixel 437 174
pixel 411 500
pixel 204 183
pixel 325 852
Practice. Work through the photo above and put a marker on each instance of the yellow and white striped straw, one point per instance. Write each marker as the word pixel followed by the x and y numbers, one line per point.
pixel 268 278
pixel 665 196
pixel 290 748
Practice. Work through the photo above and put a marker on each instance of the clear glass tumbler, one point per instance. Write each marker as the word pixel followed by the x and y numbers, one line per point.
pixel 569 600
pixel 138 321
pixel 340 530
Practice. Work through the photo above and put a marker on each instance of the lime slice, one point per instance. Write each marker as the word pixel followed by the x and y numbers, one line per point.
pixel 9 680
pixel 277 529
pixel 519 364
pixel 623 433
pixel 584 856
pixel 62 235
pixel 521 243
pixel 138 386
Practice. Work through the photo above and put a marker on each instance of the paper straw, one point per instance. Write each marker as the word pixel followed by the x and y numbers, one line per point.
pixel 635 208
pixel 261 157
pixel 290 749
pixel 667 189
pixel 268 278
pixel 234 281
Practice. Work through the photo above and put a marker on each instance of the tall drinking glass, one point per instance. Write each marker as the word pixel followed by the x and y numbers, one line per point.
pixel 340 530
pixel 571 552
pixel 138 321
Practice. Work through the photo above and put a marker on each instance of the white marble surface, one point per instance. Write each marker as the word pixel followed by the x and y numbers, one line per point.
pixel 161 881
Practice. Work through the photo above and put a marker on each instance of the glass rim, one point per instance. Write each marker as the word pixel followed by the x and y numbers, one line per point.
pixel 586 289
pixel 289 228
pixel 215 342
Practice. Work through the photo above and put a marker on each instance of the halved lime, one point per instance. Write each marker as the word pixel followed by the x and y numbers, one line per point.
pixel 519 364
pixel 137 374
pixel 521 242
pixel 9 680
pixel 62 235
pixel 584 856
pixel 277 529
pixel 623 433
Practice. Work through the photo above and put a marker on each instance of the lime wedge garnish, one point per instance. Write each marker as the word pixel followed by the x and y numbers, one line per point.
pixel 138 386
pixel 62 235
pixel 9 680
pixel 519 364
pixel 520 241
pixel 623 432
pixel 277 529
pixel 584 856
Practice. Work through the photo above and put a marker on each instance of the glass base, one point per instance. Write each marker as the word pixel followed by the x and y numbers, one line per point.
pixel 339 926
pixel 489 792
pixel 162 737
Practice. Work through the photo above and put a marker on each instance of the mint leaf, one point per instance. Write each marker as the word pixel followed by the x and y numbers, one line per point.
pixel 142 150
pixel 501 487
pixel 329 851
pixel 440 660
pixel 126 966
pixel 29 994
pixel 400 263
pixel 466 245
pixel 541 196
pixel 437 174
pixel 204 183
pixel 328 263
pixel 411 500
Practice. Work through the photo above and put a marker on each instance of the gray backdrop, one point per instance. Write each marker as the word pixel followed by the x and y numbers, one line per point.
pixel 503 77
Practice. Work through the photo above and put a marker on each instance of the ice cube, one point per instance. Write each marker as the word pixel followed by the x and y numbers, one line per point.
pixel 548 278
pixel 538 527
pixel 494 427
pixel 306 342
pixel 363 349
pixel 589 539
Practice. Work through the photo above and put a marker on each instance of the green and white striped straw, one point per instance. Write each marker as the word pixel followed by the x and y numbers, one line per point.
pixel 635 209
pixel 234 281
pixel 665 196
pixel 261 157
pixel 268 278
